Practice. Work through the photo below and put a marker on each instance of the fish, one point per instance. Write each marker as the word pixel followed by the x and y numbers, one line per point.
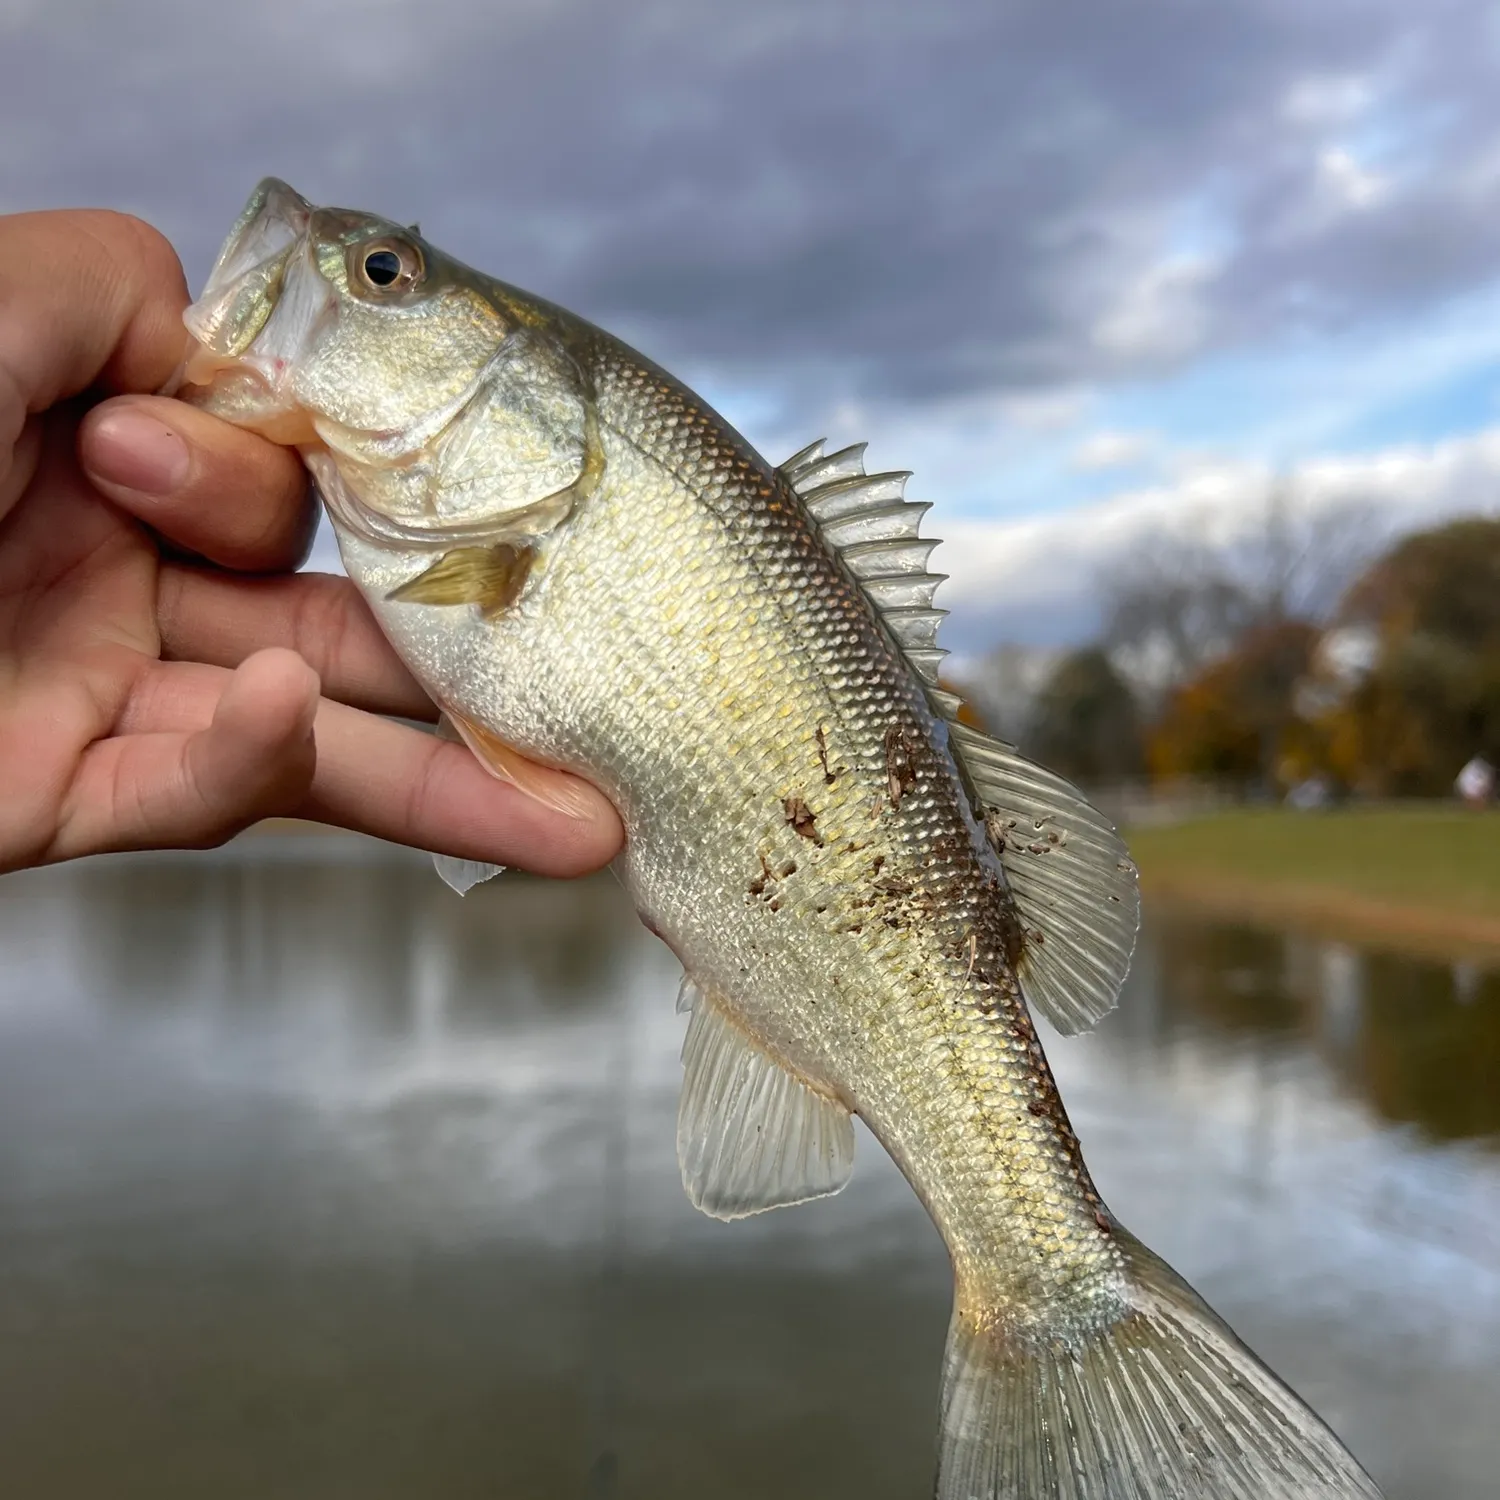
pixel 588 569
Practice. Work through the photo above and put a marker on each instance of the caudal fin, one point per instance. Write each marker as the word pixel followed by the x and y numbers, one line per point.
pixel 1162 1402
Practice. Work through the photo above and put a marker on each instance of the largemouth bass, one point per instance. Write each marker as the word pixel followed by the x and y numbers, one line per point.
pixel 587 568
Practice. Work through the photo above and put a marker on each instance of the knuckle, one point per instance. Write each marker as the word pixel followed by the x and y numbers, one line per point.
pixel 423 789
pixel 323 624
pixel 285 518
pixel 150 249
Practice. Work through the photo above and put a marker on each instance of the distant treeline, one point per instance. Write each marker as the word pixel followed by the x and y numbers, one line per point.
pixel 1326 654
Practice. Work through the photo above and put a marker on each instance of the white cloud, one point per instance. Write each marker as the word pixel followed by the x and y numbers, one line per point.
pixel 1043 411
pixel 1322 99
pixel 1038 578
pixel 1346 182
pixel 1160 316
pixel 1112 450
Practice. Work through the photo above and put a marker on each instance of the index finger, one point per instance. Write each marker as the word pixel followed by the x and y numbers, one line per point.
pixel 87 298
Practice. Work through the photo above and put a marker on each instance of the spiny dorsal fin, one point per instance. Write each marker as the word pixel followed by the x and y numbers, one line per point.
pixel 1070 876
pixel 866 520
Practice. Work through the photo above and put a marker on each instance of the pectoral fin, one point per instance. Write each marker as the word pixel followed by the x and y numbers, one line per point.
pixel 491 577
pixel 751 1135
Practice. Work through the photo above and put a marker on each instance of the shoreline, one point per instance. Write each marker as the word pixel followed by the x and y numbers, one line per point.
pixel 1323 911
pixel 1424 929
pixel 1420 879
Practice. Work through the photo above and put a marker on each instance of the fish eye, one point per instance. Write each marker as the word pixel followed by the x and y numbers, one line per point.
pixel 387 265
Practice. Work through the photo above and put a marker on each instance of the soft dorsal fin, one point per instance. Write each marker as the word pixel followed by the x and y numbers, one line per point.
pixel 1072 881
pixel 751 1135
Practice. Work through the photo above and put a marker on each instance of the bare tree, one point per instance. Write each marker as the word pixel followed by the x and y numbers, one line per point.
pixel 1183 597
pixel 1170 605
pixel 1004 683
pixel 1298 558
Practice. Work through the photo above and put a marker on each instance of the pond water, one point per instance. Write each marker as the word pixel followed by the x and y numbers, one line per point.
pixel 317 1182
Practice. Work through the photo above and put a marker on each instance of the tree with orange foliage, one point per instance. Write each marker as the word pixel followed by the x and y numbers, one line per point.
pixel 1235 720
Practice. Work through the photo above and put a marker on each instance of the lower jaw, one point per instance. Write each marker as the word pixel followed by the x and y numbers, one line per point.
pixel 239 396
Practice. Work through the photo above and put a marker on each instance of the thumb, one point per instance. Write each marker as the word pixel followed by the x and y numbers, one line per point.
pixel 257 757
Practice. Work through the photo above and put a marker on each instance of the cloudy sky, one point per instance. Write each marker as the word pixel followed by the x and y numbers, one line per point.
pixel 1091 269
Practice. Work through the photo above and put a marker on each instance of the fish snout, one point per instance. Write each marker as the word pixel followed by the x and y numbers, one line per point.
pixel 246 279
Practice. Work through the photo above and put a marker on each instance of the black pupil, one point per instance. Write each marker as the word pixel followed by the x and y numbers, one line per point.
pixel 382 266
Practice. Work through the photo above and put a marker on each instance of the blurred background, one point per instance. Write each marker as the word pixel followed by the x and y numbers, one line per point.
pixel 315 1180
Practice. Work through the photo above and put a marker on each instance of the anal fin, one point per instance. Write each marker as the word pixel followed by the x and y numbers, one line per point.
pixel 751 1135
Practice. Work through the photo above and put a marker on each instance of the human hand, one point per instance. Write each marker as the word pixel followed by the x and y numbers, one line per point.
pixel 165 678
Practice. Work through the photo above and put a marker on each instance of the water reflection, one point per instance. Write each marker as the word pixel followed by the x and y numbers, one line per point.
pixel 315 1180
pixel 361 932
pixel 1417 1041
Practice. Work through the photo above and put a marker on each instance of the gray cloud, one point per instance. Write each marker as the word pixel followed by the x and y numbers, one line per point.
pixel 869 200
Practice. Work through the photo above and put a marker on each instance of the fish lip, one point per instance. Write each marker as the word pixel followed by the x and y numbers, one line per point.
pixel 263 240
pixel 274 218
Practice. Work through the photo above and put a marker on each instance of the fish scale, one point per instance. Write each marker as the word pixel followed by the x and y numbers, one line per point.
pixel 585 565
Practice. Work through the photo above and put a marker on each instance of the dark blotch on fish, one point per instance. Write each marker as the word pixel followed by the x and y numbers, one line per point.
pixel 767 875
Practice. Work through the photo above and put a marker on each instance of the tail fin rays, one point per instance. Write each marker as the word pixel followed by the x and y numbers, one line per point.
pixel 1161 1403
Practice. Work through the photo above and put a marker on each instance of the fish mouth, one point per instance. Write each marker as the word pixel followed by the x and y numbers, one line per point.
pixel 262 305
pixel 250 269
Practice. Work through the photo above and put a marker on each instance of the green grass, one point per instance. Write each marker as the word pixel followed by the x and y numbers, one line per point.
pixel 1435 857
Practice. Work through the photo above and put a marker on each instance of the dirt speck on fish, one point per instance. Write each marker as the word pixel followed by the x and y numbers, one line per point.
pixel 802 818
pixel 586 566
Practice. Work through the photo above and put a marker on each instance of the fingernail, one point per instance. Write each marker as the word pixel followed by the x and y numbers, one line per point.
pixel 130 449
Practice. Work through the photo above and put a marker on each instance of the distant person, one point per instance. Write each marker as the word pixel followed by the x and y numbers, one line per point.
pixel 1310 794
pixel 1475 784
pixel 165 678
